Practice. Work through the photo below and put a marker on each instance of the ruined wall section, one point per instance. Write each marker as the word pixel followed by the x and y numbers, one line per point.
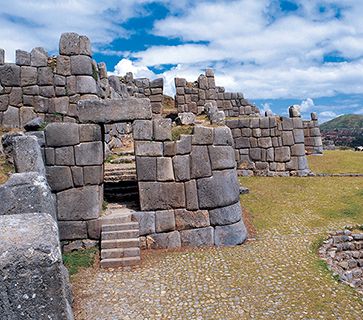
pixel 192 96
pixel 313 140
pixel 189 191
pixel 50 87
pixel 269 145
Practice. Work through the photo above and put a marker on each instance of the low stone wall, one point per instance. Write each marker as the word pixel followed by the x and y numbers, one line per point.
pixel 192 96
pixel 313 140
pixel 74 167
pixel 343 252
pixel 269 145
pixel 189 191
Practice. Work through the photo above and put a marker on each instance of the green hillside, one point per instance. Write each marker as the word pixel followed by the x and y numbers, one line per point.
pixel 348 121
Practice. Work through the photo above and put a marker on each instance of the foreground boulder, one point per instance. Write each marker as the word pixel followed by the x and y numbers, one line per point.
pixel 34 282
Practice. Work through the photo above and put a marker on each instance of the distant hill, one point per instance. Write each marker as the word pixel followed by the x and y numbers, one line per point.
pixel 347 121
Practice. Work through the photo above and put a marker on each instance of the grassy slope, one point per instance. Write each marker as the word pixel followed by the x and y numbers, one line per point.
pixel 348 121
pixel 337 161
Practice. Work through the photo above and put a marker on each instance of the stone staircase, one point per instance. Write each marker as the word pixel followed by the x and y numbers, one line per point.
pixel 122 168
pixel 120 245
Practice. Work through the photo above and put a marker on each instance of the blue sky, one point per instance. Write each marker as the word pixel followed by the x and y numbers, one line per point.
pixel 278 53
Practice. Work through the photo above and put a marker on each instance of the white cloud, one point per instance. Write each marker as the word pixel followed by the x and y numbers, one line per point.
pixel 306 105
pixel 139 71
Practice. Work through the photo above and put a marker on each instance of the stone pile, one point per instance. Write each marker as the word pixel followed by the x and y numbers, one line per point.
pixel 269 145
pixel 313 140
pixel 189 191
pixel 192 96
pixel 343 252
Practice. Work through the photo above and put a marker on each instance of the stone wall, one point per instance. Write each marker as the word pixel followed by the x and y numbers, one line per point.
pixel 313 140
pixel 189 191
pixel 343 252
pixel 269 145
pixel 192 96
pixel 74 166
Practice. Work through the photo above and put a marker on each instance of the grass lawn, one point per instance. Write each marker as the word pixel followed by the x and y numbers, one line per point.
pixel 337 161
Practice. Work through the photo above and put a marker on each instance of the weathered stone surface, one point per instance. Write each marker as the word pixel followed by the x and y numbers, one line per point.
pixel 223 136
pixel 181 168
pixel 29 76
pixel 64 156
pixel 86 84
pixel 184 144
pixel 89 153
pixel 26 192
pixel 222 157
pixel 72 230
pixel 168 240
pixel 146 220
pixel 230 235
pixel 93 175
pixel 282 154
pixel 10 75
pixel 197 237
pixel 63 65
pixel 61 134
pixel 186 118
pixel 148 148
pixel 108 110
pixel 186 219
pixel 191 195
pixel 90 133
pixel 35 283
pixel 94 229
pixel 77 175
pixel 162 129
pixel 164 169
pixel 199 162
pixel 202 135
pixel 142 130
pixel 49 156
pixel 2 56
pixel 34 124
pixel 169 148
pixel 45 76
pixel 81 65
pixel 161 195
pixel 79 203
pixel 85 46
pixel 146 168
pixel 219 190
pixel 61 105
pixel 226 215
pixel 69 44
pixel 59 178
pixel 38 57
pixel 164 221
pixel 4 102
pixel 298 150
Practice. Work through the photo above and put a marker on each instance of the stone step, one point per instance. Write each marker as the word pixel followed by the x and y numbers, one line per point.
pixel 120 253
pixel 120 243
pixel 125 152
pixel 116 219
pixel 120 262
pixel 120 227
pixel 120 173
pixel 123 159
pixel 120 178
pixel 117 167
pixel 120 234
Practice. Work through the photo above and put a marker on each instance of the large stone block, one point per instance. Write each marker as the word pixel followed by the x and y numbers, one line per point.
pixel 146 168
pixel 223 136
pixel 111 110
pixel 148 148
pixel 63 65
pixel 27 192
pixel 162 129
pixel 199 162
pixel 45 76
pixel 164 221
pixel 161 195
pixel 197 237
pixel 299 136
pixel 230 235
pixel 86 85
pixel 186 219
pixel 142 130
pixel 77 175
pixel 168 240
pixel 94 229
pixel 282 154
pixel 164 169
pixel 184 144
pixel 219 190
pixel 146 220
pixel 191 195
pixel 27 155
pixel 89 153
pixel 72 230
pixel 69 44
pixel 4 102
pixel 2 56
pixel 81 65
pixel 64 156
pixel 90 133
pixel 22 58
pixel 226 215
pixel 38 57
pixel 298 149
pixel 59 178
pixel 202 135
pixel 29 76
pixel 26 114
pixel 79 203
pixel 61 134
pixel 10 75
pixel 222 157
pixel 34 283
pixel 181 168
pixel 93 174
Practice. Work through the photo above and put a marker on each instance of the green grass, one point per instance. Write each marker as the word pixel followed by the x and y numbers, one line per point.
pixel 76 260
pixel 177 131
pixel 337 161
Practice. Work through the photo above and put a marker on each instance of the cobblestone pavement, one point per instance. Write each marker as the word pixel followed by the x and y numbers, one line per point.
pixel 276 276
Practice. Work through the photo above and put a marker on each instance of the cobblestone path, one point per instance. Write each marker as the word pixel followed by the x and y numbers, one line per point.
pixel 276 276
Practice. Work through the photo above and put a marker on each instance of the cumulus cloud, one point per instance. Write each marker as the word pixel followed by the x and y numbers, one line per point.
pixel 327 115
pixel 306 105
